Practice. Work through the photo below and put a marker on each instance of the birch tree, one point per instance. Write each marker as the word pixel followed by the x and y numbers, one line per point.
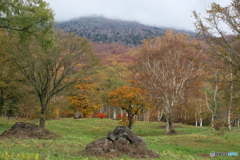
pixel 166 66
pixel 221 31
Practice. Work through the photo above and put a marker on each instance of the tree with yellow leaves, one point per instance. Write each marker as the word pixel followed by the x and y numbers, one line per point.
pixel 221 31
pixel 167 67
pixel 86 99
pixel 130 99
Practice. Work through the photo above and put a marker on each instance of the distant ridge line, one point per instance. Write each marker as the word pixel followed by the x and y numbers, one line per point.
pixel 105 30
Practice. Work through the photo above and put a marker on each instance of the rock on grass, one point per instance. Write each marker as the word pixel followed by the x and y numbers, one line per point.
pixel 23 130
pixel 121 141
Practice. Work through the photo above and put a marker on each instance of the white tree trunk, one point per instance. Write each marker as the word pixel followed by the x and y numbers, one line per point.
pixel 231 99
pixel 77 114
pixel 114 113
pixel 196 121
pixel 200 122
pixel 101 109
pixel 167 126
pixel 121 115
pixel 212 121
pixel 215 105
pixel 146 116
pixel 160 114
pixel 229 120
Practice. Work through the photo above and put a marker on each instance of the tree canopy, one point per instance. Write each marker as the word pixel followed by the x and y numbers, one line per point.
pixel 130 99
pixel 27 18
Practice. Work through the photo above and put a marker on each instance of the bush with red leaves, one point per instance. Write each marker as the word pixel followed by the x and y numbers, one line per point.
pixel 101 115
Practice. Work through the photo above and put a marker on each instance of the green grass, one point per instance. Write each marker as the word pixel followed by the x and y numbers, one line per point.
pixel 190 142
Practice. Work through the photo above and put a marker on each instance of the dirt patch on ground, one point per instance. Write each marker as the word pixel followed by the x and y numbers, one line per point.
pixel 204 155
pixel 118 143
pixel 23 130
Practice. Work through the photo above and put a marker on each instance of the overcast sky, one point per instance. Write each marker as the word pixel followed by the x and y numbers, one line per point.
pixel 162 13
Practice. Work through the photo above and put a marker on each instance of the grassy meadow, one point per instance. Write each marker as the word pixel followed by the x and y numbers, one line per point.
pixel 190 143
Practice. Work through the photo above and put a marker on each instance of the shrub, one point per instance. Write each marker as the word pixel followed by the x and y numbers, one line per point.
pixel 101 115
pixel 219 124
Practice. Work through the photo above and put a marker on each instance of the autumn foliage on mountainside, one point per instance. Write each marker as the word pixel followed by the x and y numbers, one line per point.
pixel 111 54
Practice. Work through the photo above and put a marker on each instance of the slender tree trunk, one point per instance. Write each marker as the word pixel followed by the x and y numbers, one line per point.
pixel 185 116
pixel 42 119
pixel 137 117
pixel 231 99
pixel 167 125
pixel 215 105
pixel 77 113
pixel 130 121
pixel 200 122
pixel 160 114
pixel 229 120
pixel 212 121
pixel 196 121
pixel 238 122
pixel 108 113
pixel 101 109
pixel 114 113
pixel 121 115
pixel 147 116
pixel 1 100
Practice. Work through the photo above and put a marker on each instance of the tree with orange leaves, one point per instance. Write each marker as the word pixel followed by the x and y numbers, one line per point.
pixel 86 99
pixel 130 99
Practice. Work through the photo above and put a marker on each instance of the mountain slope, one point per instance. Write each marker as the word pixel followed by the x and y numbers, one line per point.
pixel 100 29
